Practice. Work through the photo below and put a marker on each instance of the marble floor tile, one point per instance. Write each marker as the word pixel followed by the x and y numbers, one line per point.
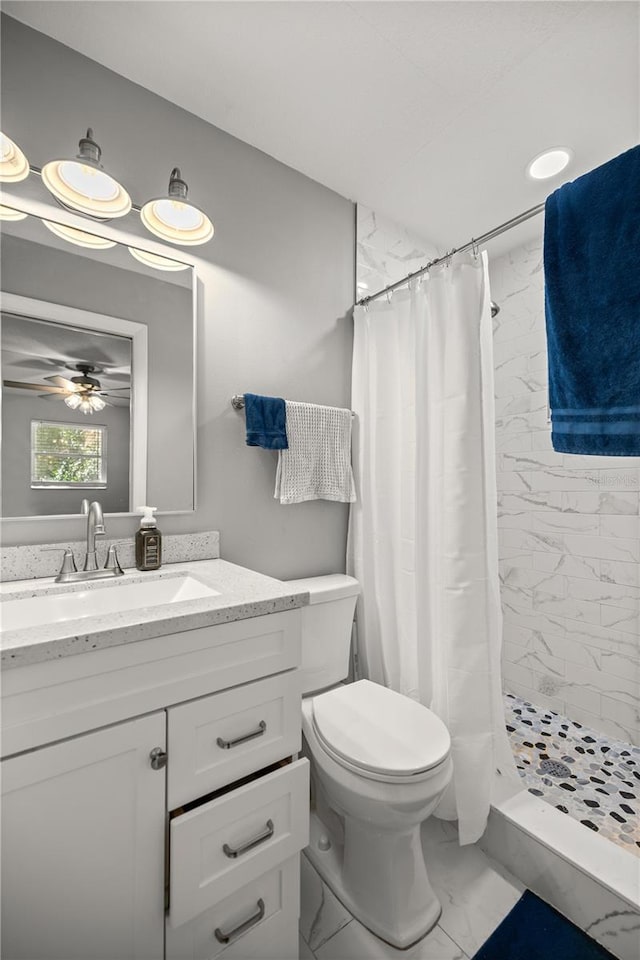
pixel 476 893
pixel 598 780
pixel 321 913
pixel 355 942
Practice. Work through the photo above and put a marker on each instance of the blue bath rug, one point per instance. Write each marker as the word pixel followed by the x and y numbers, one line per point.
pixel 535 931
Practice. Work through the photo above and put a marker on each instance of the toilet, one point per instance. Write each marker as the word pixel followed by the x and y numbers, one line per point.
pixel 379 764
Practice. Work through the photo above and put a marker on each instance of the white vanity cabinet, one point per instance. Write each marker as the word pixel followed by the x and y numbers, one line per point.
pixel 108 856
pixel 83 825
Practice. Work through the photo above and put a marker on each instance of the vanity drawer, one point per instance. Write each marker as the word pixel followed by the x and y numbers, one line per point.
pixel 222 846
pixel 223 737
pixel 267 908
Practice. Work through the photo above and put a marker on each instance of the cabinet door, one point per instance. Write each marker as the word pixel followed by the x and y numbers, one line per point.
pixel 83 825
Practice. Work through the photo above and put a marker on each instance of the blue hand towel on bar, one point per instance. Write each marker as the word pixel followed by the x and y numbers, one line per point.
pixel 266 420
pixel 592 303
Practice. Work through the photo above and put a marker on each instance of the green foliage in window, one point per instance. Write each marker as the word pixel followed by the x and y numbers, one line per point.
pixel 66 454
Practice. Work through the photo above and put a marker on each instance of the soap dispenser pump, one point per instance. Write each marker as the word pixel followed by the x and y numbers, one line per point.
pixel 148 541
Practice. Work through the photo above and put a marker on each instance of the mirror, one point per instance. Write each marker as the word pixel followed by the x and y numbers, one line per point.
pixel 98 346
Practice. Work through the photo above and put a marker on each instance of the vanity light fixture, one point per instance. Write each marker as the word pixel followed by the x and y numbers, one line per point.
pixel 8 213
pixel 85 403
pixel 549 163
pixel 79 237
pixel 174 218
pixel 80 184
pixel 156 261
pixel 14 166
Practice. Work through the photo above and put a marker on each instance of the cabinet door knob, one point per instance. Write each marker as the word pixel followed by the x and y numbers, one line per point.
pixel 158 758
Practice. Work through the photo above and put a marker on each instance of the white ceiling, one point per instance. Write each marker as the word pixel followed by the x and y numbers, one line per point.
pixel 426 111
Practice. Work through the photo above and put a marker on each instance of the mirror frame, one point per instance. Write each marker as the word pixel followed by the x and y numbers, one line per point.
pixel 76 317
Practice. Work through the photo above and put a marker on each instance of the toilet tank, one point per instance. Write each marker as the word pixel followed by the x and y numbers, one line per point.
pixel 326 629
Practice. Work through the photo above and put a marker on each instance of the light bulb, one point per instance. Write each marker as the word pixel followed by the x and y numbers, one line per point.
pixel 174 219
pixel 81 183
pixel 14 166
pixel 8 213
pixel 155 261
pixel 79 237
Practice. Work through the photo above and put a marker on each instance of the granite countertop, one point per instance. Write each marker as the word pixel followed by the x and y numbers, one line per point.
pixel 242 594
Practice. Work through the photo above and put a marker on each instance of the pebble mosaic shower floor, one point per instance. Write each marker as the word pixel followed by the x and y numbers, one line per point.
pixel 585 774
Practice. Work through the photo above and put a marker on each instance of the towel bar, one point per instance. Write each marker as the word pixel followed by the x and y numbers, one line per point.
pixel 237 402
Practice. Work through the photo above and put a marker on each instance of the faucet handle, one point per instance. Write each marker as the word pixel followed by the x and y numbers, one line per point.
pixel 68 559
pixel 112 562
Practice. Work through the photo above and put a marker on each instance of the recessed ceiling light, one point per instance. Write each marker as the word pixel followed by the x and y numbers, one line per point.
pixel 549 163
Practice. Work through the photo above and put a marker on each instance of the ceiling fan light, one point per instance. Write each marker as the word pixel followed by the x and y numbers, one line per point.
pixel 73 401
pixel 81 183
pixel 97 403
pixel 155 261
pixel 79 237
pixel 8 213
pixel 14 166
pixel 174 218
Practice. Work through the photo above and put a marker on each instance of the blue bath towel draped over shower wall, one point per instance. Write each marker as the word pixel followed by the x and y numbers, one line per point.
pixel 592 303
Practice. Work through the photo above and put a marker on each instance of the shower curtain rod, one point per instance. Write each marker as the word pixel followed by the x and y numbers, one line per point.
pixel 489 235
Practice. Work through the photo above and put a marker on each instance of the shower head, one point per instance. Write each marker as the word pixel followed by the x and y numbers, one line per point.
pixel 495 309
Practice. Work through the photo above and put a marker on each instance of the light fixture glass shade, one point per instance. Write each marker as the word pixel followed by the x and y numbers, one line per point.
pixel 85 402
pixel 174 218
pixel 82 184
pixel 549 163
pixel 79 237
pixel 14 166
pixel 8 213
pixel 155 261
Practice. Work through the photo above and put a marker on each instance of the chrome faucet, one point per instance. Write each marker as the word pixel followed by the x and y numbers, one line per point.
pixel 95 528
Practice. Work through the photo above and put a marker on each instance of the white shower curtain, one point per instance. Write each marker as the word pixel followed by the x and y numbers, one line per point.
pixel 423 535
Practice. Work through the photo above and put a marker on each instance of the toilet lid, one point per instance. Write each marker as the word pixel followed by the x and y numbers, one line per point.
pixel 380 730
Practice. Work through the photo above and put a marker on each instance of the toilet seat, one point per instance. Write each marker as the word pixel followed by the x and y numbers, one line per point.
pixel 378 733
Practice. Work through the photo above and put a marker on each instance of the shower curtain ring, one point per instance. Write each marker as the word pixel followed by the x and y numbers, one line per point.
pixel 389 295
pixel 474 248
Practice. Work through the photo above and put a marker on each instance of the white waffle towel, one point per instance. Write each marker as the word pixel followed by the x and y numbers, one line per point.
pixel 317 465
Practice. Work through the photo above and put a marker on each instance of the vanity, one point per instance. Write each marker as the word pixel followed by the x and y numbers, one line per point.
pixel 154 805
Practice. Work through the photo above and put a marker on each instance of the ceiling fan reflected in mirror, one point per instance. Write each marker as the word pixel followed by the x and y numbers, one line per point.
pixel 83 392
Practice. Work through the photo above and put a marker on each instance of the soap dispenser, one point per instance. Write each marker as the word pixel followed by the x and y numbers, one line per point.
pixel 148 541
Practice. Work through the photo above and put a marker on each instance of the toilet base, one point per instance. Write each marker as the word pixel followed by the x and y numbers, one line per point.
pixel 416 910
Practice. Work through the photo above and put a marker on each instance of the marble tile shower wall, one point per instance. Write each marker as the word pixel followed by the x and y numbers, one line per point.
pixel 569 530
pixel 569 526
pixel 386 252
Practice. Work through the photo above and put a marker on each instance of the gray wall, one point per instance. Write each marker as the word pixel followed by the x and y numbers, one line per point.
pixel 18 499
pixel 277 285
pixel 66 277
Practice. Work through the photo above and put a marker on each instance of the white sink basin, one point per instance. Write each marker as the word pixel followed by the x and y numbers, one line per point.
pixel 100 599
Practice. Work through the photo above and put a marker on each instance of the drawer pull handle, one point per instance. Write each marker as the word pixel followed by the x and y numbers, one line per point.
pixel 237 931
pixel 227 744
pixel 250 844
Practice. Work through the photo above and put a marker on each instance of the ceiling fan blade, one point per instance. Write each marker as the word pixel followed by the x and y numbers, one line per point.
pixel 19 385
pixel 115 401
pixel 116 389
pixel 63 383
pixel 51 396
